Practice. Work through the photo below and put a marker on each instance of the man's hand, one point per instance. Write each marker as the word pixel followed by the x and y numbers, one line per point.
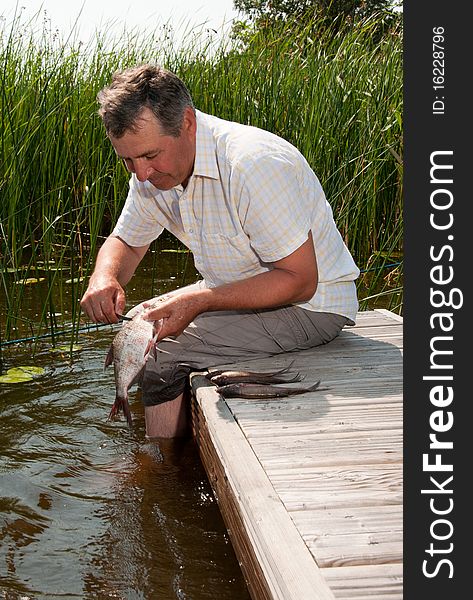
pixel 116 263
pixel 176 311
pixel 104 299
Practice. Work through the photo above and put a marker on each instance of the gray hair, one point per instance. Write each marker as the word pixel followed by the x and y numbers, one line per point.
pixel 144 86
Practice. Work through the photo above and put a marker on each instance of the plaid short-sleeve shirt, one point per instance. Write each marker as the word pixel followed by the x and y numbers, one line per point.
pixel 251 200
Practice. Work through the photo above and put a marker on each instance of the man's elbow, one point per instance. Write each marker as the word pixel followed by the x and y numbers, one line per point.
pixel 307 289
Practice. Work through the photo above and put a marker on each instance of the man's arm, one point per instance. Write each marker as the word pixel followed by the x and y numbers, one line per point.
pixel 116 262
pixel 291 279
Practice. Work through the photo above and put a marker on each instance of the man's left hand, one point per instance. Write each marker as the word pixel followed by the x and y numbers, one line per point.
pixel 176 311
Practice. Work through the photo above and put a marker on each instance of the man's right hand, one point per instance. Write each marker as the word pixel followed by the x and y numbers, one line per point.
pixel 104 299
pixel 115 265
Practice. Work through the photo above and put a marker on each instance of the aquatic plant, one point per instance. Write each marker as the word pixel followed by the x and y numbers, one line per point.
pixel 336 96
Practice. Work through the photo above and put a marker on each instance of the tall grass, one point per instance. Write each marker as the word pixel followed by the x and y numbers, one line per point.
pixel 336 96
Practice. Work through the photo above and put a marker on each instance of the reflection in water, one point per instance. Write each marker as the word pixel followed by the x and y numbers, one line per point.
pixel 90 509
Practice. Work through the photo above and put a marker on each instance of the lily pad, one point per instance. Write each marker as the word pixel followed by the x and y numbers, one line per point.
pixel 28 370
pixel 21 374
pixel 19 378
pixel 68 348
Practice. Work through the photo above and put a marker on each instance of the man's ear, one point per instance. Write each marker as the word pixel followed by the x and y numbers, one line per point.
pixel 189 122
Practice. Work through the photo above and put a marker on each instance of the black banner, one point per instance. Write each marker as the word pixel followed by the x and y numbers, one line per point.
pixel 437 200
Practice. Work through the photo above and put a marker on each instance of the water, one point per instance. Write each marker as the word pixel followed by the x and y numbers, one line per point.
pixel 90 508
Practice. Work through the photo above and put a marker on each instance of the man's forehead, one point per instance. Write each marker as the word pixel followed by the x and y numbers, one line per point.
pixel 145 141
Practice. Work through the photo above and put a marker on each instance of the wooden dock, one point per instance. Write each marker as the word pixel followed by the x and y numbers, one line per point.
pixel 310 486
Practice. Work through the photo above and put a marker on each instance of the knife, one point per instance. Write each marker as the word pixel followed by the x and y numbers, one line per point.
pixel 124 317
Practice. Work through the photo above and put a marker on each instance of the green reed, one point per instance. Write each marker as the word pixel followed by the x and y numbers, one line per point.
pixel 336 96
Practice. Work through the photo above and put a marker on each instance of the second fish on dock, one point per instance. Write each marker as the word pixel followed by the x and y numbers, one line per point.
pixel 255 385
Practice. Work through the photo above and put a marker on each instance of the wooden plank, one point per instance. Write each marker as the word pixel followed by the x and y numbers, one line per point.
pixel 323 417
pixel 322 488
pixel 385 352
pixel 376 447
pixel 286 563
pixel 381 316
pixel 324 407
pixel 390 314
pixel 378 363
pixel 300 498
pixel 379 582
pixel 366 549
pixel 371 336
pixel 352 534
pixel 349 519
pixel 298 408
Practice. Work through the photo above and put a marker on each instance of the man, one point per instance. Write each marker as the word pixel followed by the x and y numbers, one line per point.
pixel 277 276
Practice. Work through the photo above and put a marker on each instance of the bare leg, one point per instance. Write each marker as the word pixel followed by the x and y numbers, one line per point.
pixel 167 420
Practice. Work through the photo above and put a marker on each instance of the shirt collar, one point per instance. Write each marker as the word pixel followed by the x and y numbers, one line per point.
pixel 205 163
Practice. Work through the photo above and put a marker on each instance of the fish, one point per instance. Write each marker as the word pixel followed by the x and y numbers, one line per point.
pixel 128 353
pixel 226 377
pixel 229 377
pixel 257 391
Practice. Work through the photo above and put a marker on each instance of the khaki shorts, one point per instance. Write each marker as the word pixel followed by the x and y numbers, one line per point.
pixel 220 337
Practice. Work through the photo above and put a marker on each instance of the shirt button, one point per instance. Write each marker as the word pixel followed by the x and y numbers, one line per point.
pixel 191 231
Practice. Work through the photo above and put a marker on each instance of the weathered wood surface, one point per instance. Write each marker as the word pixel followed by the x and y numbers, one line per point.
pixel 310 486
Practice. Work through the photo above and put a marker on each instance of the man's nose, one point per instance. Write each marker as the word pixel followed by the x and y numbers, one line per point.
pixel 142 170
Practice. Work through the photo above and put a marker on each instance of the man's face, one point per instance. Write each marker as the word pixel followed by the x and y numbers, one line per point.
pixel 163 160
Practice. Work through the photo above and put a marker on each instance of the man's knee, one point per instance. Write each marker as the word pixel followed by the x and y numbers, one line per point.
pixel 160 385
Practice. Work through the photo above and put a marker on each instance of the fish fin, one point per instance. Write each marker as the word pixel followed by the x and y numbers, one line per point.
pixel 114 410
pixel 158 327
pixel 313 387
pixel 151 349
pixel 121 404
pixel 297 377
pixel 285 369
pixel 127 413
pixel 109 358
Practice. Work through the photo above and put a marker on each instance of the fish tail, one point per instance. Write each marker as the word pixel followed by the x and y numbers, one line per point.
pixel 127 413
pixel 121 404
pixel 314 387
pixel 297 377
pixel 276 379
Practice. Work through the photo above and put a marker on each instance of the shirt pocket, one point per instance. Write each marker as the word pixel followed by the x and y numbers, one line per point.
pixel 224 258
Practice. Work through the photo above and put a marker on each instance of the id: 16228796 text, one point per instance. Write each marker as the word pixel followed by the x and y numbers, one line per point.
pixel 438 70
